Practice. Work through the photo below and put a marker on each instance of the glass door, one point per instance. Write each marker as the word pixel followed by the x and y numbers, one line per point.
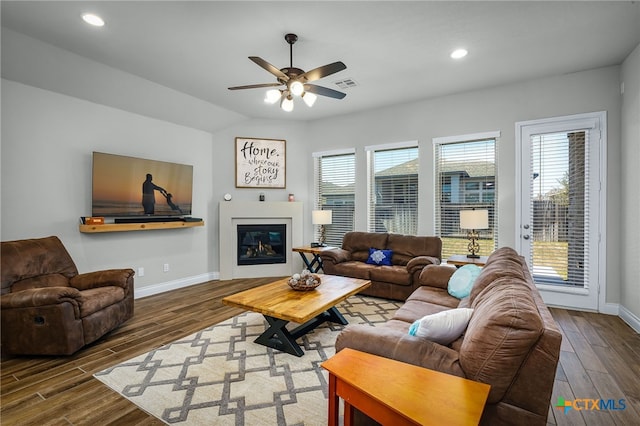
pixel 559 207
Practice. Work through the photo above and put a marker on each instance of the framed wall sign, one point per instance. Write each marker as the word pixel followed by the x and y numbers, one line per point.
pixel 260 163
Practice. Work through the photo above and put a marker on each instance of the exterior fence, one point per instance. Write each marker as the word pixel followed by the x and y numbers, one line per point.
pixel 550 221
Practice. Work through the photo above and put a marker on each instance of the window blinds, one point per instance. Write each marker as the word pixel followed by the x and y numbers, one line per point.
pixel 393 190
pixel 465 178
pixel 559 207
pixel 335 191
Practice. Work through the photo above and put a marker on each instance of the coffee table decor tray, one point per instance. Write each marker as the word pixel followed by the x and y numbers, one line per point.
pixel 304 281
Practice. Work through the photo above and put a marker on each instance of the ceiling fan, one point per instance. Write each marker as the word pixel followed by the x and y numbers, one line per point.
pixel 295 80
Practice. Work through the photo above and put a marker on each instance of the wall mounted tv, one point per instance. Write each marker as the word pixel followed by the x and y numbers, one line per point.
pixel 136 187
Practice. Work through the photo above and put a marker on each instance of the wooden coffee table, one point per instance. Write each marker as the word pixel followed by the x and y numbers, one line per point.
pixel 280 304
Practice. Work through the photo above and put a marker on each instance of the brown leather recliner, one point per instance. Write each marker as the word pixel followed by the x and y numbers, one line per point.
pixel 47 308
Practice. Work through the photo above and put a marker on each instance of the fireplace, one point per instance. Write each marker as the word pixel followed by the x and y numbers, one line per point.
pixel 262 244
pixel 234 213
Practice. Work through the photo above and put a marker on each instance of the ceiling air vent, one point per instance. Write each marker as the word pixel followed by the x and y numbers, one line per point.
pixel 347 83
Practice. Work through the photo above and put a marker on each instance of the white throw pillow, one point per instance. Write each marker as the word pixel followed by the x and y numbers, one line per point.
pixel 443 327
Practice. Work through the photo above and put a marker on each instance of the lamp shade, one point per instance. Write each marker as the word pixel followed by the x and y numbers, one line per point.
pixel 321 217
pixel 474 219
pixel 309 98
pixel 297 88
pixel 272 96
pixel 287 104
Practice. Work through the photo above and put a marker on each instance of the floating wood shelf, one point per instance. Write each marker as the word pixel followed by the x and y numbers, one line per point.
pixel 146 226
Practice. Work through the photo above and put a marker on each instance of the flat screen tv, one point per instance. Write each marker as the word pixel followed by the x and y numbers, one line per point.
pixel 136 187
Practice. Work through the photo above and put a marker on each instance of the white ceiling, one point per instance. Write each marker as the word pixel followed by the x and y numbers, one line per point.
pixel 396 51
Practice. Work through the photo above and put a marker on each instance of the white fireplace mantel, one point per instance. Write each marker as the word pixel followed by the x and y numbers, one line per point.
pixel 233 213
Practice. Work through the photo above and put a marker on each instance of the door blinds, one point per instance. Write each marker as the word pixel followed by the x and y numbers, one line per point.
pixel 559 207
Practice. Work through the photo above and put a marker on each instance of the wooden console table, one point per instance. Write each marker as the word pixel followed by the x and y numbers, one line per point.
pixel 395 393
pixel 315 264
pixel 460 260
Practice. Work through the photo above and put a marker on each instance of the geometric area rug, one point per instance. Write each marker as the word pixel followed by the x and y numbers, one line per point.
pixel 219 376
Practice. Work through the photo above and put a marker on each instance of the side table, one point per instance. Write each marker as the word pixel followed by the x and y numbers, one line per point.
pixel 315 264
pixel 395 393
pixel 460 260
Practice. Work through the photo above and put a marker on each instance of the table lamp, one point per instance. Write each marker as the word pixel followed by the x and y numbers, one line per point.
pixel 473 220
pixel 322 218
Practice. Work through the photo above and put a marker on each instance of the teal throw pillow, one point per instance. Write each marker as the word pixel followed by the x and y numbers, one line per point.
pixel 462 280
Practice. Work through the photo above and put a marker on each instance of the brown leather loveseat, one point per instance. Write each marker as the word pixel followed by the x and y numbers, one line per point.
pixel 47 308
pixel 511 341
pixel 410 254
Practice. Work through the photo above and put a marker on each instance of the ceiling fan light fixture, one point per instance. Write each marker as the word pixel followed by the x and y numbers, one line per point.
pixel 287 103
pixel 297 88
pixel 272 96
pixel 309 98
pixel 296 81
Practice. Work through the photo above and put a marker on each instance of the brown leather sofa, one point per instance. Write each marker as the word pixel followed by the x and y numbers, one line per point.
pixel 410 255
pixel 47 308
pixel 511 342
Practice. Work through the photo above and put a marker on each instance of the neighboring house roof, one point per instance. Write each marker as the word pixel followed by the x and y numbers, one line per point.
pixel 467 168
pixel 329 188
pixel 407 168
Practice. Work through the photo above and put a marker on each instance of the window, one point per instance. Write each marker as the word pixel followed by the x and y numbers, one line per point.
pixel 335 173
pixel 465 173
pixel 393 188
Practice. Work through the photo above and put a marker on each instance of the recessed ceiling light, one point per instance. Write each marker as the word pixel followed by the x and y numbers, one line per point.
pixel 92 19
pixel 459 53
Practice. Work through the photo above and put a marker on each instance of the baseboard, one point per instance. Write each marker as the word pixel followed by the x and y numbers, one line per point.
pixel 630 318
pixel 610 309
pixel 150 290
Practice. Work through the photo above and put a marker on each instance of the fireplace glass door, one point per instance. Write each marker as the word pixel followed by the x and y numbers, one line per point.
pixel 262 244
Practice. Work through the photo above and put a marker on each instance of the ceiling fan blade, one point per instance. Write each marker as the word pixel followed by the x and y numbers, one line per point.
pixel 267 66
pixel 324 91
pixel 320 72
pixel 255 86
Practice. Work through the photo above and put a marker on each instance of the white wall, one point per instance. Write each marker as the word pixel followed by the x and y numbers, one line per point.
pixel 497 108
pixel 39 64
pixel 47 141
pixel 297 173
pixel 630 160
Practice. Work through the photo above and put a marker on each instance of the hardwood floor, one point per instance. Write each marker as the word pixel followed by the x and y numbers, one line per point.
pixel 600 359
pixel 62 390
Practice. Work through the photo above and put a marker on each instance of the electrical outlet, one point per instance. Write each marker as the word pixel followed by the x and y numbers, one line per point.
pixel 165 267
pixel 141 272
